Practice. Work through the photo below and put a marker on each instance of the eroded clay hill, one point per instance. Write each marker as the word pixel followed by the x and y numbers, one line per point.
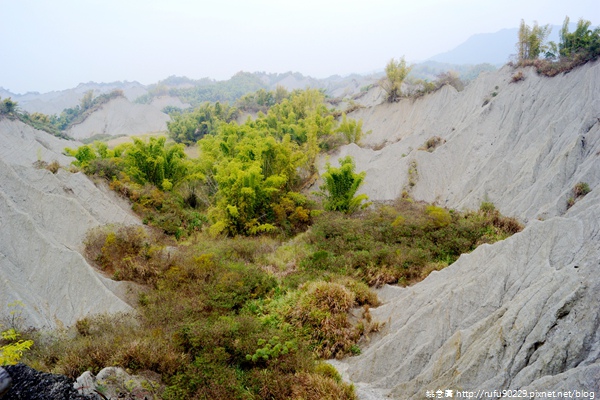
pixel 520 314
pixel 43 221
pixel 121 117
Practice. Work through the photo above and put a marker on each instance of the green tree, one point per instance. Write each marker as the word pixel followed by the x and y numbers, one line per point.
pixel 8 106
pixel 584 41
pixel 341 185
pixel 396 72
pixel 83 155
pixel 254 173
pixel 156 163
pixel 188 128
pixel 87 101
pixel 351 129
pixel 532 41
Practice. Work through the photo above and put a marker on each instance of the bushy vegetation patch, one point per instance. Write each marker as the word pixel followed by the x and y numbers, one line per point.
pixel 247 179
pixel 432 143
pixel 579 191
pixel 196 92
pixel 573 49
pixel 401 243
pixel 251 317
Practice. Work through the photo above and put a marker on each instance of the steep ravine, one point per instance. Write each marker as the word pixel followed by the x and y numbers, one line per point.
pixel 520 314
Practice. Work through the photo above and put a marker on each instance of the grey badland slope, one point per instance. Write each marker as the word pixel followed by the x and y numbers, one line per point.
pixel 56 101
pixel 524 150
pixel 520 314
pixel 120 117
pixel 43 219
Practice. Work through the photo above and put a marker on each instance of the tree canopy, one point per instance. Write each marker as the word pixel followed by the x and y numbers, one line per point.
pixel 573 49
pixel 247 178
pixel 532 40
pixel 396 72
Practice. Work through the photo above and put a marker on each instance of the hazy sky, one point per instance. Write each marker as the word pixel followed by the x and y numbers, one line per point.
pixel 52 45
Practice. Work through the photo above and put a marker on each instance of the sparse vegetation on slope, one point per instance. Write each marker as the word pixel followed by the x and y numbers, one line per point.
pixel 87 105
pixel 574 48
pixel 10 109
pixel 402 243
pixel 396 72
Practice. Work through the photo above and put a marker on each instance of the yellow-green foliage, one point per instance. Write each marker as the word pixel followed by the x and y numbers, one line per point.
pixel 351 129
pixel 396 72
pixel 190 127
pixel 340 187
pixel 440 217
pixel 573 49
pixel 258 166
pixel 247 178
pixel 233 316
pixel 399 243
pixel 12 351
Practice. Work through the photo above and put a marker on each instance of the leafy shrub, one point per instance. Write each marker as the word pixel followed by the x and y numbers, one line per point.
pixel 574 49
pixel 8 107
pixel 12 347
pixel 341 185
pixel 432 143
pixel 439 217
pixel 188 128
pixel 321 310
pixel 487 207
pixel 351 129
pixel 126 253
pixel 517 77
pixel 396 72
pixel 581 189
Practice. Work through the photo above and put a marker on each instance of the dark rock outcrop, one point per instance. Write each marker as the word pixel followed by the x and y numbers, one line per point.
pixel 29 384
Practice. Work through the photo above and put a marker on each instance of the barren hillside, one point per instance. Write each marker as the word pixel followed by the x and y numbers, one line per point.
pixel 44 218
pixel 120 117
pixel 55 102
pixel 520 314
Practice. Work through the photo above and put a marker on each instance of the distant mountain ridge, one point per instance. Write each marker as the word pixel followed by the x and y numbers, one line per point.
pixel 189 91
pixel 495 48
pixel 478 53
